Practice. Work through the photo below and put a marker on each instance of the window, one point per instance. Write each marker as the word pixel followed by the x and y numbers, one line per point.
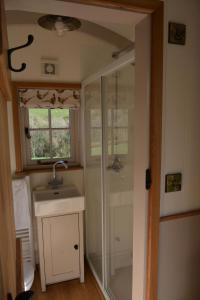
pixel 117 127
pixel 47 124
pixel 95 132
pixel 49 135
pixel 118 131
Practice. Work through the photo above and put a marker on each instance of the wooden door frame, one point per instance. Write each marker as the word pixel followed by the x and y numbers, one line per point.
pixel 7 228
pixel 155 8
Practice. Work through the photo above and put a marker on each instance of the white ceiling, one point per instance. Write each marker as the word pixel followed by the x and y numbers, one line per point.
pixel 108 31
pixel 120 22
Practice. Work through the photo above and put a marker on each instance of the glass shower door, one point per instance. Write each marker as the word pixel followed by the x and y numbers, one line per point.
pixel 93 171
pixel 118 103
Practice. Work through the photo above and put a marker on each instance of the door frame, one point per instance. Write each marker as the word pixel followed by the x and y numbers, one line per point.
pixel 155 8
pixel 9 274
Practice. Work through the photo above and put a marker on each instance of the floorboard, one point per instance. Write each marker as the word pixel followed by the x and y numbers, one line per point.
pixel 69 290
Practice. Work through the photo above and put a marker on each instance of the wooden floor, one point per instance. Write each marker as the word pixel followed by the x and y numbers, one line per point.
pixel 69 290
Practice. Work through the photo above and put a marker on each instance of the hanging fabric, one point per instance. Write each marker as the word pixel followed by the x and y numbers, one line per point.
pixel 49 98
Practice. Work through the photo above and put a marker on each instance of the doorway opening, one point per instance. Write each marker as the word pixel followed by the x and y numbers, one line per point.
pixel 104 63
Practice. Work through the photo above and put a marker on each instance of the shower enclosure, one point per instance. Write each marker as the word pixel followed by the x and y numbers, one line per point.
pixel 109 119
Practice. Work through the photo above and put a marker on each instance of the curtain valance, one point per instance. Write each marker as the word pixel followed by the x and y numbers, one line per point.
pixel 49 98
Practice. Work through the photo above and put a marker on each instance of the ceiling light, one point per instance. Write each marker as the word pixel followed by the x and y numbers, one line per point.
pixel 59 23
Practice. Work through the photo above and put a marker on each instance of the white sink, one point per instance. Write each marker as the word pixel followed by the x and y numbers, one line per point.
pixel 63 200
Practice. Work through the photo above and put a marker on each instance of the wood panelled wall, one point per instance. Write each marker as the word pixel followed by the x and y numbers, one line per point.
pixel 7 231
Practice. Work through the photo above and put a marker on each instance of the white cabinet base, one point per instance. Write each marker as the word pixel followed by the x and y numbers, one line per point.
pixel 61 249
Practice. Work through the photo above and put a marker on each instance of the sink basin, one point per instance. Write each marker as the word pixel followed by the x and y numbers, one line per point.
pixel 63 200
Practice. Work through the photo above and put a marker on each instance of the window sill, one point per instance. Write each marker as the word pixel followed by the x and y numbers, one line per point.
pixel 48 169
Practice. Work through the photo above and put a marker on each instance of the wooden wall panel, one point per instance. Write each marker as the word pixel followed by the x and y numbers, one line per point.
pixel 19 267
pixel 157 34
pixel 7 229
pixel 5 76
pixel 140 6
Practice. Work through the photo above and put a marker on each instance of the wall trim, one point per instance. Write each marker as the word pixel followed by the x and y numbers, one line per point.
pixel 138 6
pixel 178 216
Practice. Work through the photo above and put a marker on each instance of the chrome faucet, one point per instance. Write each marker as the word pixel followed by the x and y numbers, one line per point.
pixel 60 162
pixel 55 181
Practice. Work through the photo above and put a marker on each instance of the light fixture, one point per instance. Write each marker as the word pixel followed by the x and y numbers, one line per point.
pixel 59 26
pixel 59 23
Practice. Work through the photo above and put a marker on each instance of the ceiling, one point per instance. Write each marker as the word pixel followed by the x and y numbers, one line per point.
pixel 118 22
pixel 121 35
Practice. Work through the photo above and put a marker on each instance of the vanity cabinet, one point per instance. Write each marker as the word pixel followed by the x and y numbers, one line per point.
pixel 60 248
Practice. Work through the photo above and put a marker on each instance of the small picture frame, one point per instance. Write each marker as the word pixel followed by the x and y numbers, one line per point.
pixel 177 33
pixel 173 182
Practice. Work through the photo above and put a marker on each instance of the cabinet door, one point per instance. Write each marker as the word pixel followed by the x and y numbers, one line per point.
pixel 60 235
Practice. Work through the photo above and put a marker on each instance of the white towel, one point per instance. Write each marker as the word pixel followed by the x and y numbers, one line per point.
pixel 21 203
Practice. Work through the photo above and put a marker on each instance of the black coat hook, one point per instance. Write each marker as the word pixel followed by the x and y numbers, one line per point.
pixel 10 51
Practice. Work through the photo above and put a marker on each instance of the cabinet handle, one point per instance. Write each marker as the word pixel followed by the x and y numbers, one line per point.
pixel 76 247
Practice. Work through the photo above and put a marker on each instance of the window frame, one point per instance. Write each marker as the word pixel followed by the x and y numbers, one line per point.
pixel 20 122
pixel 27 142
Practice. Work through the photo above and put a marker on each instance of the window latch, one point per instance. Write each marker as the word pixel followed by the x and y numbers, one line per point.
pixel 27 133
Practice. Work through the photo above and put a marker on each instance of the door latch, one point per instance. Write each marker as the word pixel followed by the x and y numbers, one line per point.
pixel 76 247
pixel 148 179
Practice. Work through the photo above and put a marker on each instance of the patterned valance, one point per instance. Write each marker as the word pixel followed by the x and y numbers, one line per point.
pixel 49 98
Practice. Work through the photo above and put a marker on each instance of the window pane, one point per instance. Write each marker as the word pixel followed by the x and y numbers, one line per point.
pixel 95 141
pixel 60 118
pixel 121 141
pixel 95 115
pixel 40 148
pixel 110 141
pixel 38 118
pixel 61 144
pixel 120 117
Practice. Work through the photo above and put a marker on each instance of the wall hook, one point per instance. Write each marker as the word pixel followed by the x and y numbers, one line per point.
pixel 10 52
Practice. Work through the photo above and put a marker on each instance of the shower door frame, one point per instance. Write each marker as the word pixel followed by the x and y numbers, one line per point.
pixel 155 9
pixel 111 68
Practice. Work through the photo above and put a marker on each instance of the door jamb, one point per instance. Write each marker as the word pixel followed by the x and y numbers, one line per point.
pixel 155 8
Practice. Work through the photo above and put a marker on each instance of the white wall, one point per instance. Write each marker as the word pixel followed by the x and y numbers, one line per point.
pixel 179 271
pixel 77 53
pixel 74 177
pixel 141 156
pixel 179 247
pixel 181 121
